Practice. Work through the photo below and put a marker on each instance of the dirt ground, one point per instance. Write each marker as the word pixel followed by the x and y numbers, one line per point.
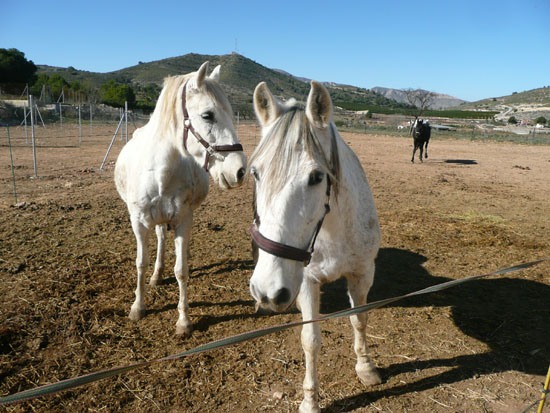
pixel 67 268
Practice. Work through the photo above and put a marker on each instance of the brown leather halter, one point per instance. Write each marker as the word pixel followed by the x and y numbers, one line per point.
pixel 286 251
pixel 210 149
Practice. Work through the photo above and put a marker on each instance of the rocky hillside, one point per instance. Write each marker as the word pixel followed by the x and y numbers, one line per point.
pixel 440 101
pixel 527 105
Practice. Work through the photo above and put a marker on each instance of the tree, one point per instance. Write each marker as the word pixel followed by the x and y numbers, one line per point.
pixel 114 94
pixel 55 84
pixel 421 99
pixel 36 87
pixel 541 119
pixel 146 97
pixel 14 68
pixel 512 120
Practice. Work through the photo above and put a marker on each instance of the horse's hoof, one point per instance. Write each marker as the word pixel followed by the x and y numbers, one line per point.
pixel 156 278
pixel 309 407
pixel 368 374
pixel 184 331
pixel 136 313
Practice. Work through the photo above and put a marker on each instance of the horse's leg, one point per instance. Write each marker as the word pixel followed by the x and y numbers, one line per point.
pixel 358 288
pixel 181 269
pixel 421 149
pixel 138 308
pixel 426 149
pixel 161 248
pixel 414 151
pixel 308 302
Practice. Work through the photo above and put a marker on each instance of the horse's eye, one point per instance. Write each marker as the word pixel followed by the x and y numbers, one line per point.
pixel 316 177
pixel 209 116
pixel 255 174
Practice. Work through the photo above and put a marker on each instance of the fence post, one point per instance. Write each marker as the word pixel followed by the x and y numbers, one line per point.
pixel 12 168
pixel 79 125
pixel 39 115
pixel 33 138
pixel 26 131
pixel 121 113
pixel 111 145
pixel 545 391
pixel 126 118
pixel 91 120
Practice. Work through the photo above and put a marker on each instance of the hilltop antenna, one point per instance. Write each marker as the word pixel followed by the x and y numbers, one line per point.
pixel 236 46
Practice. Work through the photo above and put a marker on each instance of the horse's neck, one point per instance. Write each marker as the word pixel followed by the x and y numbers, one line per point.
pixel 163 147
pixel 163 135
pixel 353 191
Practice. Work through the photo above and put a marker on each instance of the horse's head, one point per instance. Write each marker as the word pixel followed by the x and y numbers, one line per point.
pixel 210 120
pixel 415 126
pixel 292 166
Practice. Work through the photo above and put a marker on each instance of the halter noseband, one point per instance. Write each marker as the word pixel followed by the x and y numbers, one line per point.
pixel 286 251
pixel 210 149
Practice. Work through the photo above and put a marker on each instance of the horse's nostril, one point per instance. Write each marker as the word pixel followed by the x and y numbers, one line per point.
pixel 282 297
pixel 240 174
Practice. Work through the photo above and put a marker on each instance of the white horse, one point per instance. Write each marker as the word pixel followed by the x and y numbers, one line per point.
pixel 311 191
pixel 162 173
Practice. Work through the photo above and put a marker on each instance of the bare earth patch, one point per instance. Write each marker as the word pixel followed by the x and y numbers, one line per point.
pixel 67 272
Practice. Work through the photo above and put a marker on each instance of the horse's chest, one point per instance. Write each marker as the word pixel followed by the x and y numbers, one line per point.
pixel 171 195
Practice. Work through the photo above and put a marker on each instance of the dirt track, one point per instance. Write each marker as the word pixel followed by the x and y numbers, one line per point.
pixel 68 275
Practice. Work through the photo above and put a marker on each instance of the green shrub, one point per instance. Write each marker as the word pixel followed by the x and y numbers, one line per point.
pixel 114 94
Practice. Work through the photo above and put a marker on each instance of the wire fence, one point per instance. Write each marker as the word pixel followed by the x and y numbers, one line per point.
pixel 29 172
pixel 466 130
pixel 55 140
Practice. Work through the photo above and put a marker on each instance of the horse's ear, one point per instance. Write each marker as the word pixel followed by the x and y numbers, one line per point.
pixel 265 104
pixel 198 79
pixel 319 106
pixel 215 75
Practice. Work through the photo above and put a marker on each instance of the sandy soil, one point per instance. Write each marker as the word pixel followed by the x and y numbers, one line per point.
pixel 68 275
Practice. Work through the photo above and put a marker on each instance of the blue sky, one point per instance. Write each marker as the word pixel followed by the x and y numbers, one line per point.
pixel 468 49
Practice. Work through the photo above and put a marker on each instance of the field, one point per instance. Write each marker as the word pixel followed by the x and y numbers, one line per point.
pixel 67 268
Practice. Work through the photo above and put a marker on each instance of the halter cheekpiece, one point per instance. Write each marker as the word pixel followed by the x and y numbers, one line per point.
pixel 210 149
pixel 286 251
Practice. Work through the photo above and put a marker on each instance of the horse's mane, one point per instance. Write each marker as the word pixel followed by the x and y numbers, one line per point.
pixel 168 113
pixel 281 148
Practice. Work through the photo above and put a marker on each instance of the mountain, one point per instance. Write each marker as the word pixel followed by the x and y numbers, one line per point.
pixel 239 77
pixel 440 101
pixel 527 105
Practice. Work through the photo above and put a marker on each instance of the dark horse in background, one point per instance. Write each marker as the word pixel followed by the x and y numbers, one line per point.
pixel 421 131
